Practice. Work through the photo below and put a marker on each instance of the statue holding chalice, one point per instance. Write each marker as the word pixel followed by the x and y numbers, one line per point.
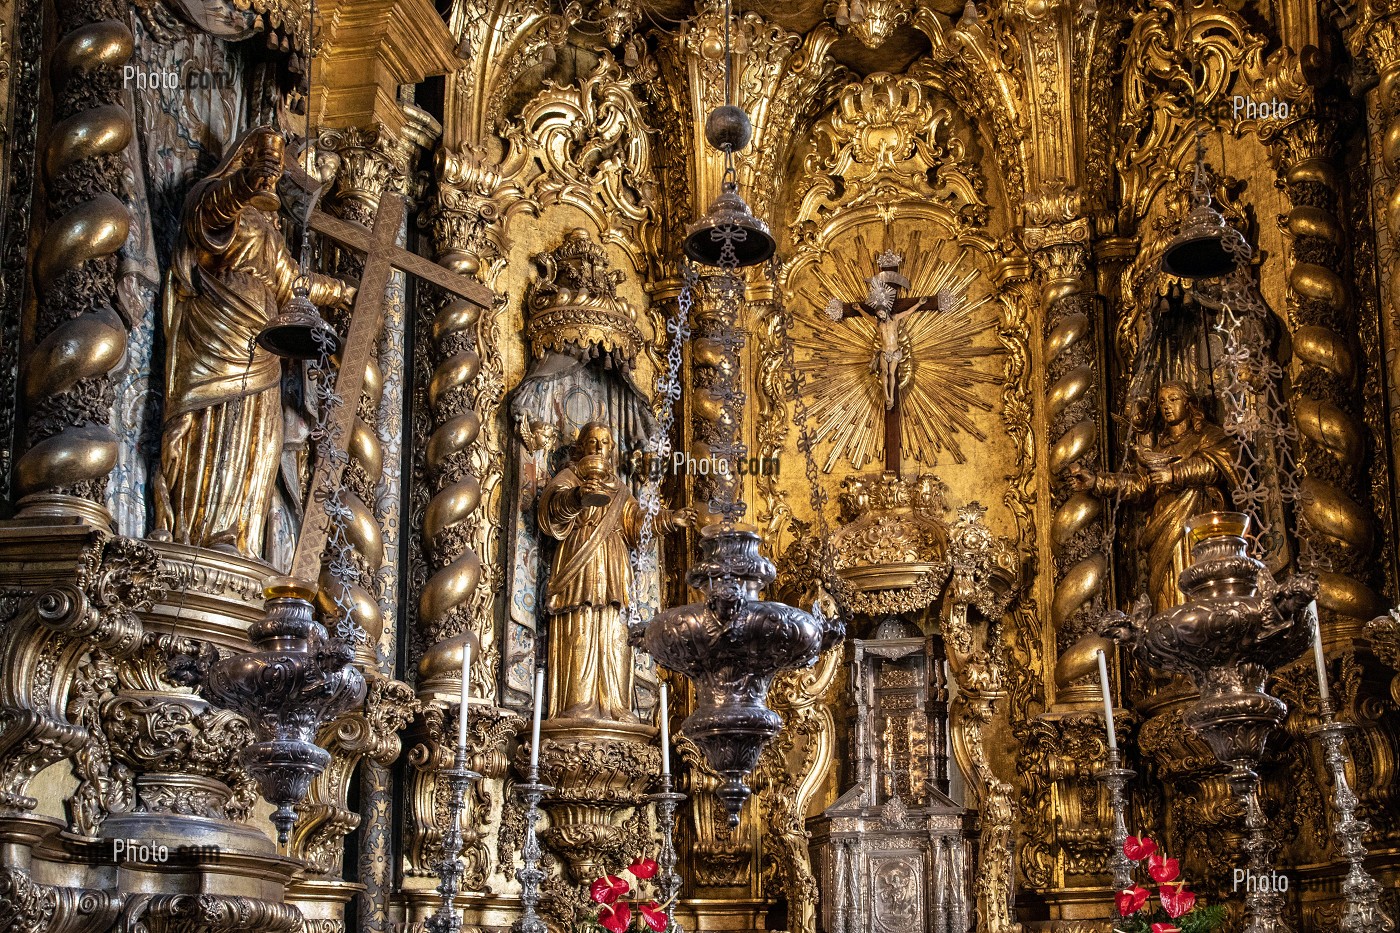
pixel 597 521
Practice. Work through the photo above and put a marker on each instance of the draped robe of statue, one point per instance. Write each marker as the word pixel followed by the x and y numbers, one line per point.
pixel 590 582
pixel 1181 476
pixel 222 439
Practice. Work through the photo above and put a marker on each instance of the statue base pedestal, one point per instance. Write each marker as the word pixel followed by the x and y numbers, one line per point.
pixel 602 772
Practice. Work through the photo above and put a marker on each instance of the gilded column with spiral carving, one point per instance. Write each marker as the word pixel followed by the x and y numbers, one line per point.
pixel 1058 240
pixel 466 227
pixel 1337 527
pixel 371 162
pixel 1065 812
pixel 78 337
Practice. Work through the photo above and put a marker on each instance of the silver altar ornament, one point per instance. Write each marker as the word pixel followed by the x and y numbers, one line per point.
pixel 299 332
pixel 729 235
pixel 293 682
pixel 1236 626
pixel 731 646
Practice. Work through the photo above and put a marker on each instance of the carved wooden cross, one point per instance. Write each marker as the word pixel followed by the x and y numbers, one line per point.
pixel 898 305
pixel 382 256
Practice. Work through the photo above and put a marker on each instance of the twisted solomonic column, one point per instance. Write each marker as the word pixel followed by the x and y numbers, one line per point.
pixel 1058 241
pixel 1336 526
pixel 79 338
pixel 371 162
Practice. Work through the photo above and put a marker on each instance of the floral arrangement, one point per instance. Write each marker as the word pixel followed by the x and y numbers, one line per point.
pixel 615 899
pixel 1177 910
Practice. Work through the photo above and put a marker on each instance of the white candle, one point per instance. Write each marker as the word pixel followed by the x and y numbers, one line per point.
pixel 1107 701
pixel 535 726
pixel 466 689
pixel 665 733
pixel 1319 653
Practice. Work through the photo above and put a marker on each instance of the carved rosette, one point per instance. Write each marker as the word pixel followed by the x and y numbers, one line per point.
pixel 601 774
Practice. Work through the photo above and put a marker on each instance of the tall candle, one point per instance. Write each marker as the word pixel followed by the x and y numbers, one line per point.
pixel 665 732
pixel 1319 652
pixel 1107 701
pixel 466 689
pixel 535 726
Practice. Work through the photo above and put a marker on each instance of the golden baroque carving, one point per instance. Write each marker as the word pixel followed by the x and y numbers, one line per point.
pixel 31 907
pixel 887 139
pixel 600 776
pixel 593 146
pixel 96 584
pixel 572 305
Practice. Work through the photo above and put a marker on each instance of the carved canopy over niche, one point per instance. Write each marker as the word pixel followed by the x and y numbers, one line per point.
pixel 888 138
pixel 591 148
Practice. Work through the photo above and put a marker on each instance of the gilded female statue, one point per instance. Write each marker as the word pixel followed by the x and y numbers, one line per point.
pixel 597 521
pixel 230 274
pixel 1183 466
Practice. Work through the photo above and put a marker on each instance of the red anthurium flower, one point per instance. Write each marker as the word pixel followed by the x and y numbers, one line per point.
pixel 643 868
pixel 654 916
pixel 615 918
pixel 1162 869
pixel 1176 900
pixel 1138 849
pixel 1165 928
pixel 1130 901
pixel 607 889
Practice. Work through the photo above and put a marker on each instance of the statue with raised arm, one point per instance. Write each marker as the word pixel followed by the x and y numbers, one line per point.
pixel 1181 465
pixel 230 274
pixel 597 521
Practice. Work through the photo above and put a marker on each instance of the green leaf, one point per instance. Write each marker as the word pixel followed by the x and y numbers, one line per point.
pixel 1202 919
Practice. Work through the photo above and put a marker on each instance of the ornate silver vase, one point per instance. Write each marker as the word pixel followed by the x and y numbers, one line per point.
pixel 294 680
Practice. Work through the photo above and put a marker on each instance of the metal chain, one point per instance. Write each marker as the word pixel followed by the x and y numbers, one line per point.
pixel 326 435
pixel 658 446
pixel 831 581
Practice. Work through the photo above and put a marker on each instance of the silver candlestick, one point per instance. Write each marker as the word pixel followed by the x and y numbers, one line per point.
pixel 669 882
pixel 1364 911
pixel 1264 907
pixel 529 873
pixel 1115 777
pixel 449 868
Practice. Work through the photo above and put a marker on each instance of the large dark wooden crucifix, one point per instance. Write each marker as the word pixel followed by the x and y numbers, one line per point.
pixel 383 255
pixel 890 308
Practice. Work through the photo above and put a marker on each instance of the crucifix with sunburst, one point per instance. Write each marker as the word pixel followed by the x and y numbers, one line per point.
pixel 901 381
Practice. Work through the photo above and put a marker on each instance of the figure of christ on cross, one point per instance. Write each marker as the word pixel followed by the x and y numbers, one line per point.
pixel 890 310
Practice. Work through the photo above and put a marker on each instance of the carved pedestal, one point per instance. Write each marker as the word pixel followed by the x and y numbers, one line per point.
pixel 602 773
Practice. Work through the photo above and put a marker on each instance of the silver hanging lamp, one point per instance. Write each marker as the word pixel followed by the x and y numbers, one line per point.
pixel 299 332
pixel 1205 247
pixel 729 234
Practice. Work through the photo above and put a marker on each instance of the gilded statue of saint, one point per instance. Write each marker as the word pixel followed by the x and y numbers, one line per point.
pixel 230 274
pixel 1181 466
pixel 597 521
